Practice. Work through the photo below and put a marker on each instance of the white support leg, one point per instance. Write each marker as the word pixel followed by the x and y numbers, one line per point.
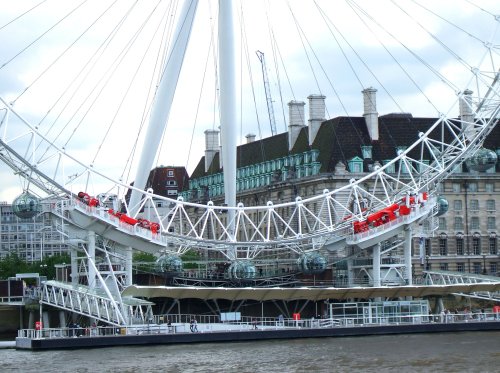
pixel 228 117
pixel 128 266
pixel 407 254
pixel 91 253
pixel 74 267
pixel 376 265
pixel 164 99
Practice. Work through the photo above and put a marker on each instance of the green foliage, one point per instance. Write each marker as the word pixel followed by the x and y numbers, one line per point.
pixel 189 258
pixel 143 257
pixel 144 262
pixel 13 264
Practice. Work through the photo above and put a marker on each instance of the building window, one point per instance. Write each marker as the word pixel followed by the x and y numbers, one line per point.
pixel 457 188
pixel 476 245
pixel 489 187
pixel 403 167
pixel 442 224
pixel 476 268
pixel 171 192
pixel 170 173
pixel 391 168
pixel 472 187
pixel 443 266
pixel 492 225
pixel 490 205
pixel 492 244
pixel 460 246
pixel 460 267
pixel 366 150
pixel 474 223
pixel 428 247
pixel 493 269
pixel 423 166
pixel 474 205
pixel 443 246
pixel 457 205
pixel 171 183
pixel 427 225
pixel 356 165
pixel 459 223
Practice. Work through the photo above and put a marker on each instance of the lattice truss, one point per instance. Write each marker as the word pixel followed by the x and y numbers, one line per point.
pixel 301 225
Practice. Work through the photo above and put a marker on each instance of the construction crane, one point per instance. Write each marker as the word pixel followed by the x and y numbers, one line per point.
pixel 269 100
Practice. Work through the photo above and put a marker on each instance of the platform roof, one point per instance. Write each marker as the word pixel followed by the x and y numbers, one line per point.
pixel 305 293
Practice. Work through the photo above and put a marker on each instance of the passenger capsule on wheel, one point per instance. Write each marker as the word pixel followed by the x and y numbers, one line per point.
pixel 26 206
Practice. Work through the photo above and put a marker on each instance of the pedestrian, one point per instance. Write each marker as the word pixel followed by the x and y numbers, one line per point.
pixel 195 326
pixel 254 323
pixel 191 325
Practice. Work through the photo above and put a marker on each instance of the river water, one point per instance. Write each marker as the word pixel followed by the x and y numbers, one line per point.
pixel 447 352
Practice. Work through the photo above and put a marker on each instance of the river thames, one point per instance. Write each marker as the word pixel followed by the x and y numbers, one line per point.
pixel 447 352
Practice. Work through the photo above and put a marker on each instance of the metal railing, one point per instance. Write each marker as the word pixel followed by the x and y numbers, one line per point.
pixel 176 324
pixel 415 213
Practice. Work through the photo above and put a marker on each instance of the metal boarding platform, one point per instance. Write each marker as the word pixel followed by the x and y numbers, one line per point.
pixel 95 303
pixel 454 278
pixel 383 232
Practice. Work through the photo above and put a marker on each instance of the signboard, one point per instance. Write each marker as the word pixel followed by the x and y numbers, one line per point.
pixel 230 316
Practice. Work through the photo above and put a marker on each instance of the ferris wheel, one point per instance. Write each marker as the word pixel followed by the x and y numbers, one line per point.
pixel 59 156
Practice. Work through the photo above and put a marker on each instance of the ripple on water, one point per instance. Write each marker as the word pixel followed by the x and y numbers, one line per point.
pixel 450 352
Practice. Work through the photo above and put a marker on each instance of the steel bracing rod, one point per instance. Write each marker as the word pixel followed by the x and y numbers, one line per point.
pixel 78 301
pixel 118 308
pixel 26 170
pixel 164 98
pixel 303 224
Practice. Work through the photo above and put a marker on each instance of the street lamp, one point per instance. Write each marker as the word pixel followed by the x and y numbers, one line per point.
pixel 484 264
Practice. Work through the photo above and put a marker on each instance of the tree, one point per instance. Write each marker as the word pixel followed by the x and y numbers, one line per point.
pixel 13 264
pixel 144 261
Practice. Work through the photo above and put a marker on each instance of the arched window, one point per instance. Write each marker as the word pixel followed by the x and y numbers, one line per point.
pixel 476 244
pixel 460 244
pixel 443 244
pixel 492 244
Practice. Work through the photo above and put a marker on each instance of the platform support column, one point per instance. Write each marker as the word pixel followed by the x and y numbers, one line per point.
pixel 128 266
pixel 21 317
pixel 62 319
pixel 45 320
pixel 407 254
pixel 91 253
pixel 74 267
pixel 350 273
pixel 376 265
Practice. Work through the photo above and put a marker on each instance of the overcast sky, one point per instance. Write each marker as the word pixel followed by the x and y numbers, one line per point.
pixel 336 48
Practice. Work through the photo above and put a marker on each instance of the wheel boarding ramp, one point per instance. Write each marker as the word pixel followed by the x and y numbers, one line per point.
pixel 456 278
pixel 82 216
pixel 383 232
pixel 96 304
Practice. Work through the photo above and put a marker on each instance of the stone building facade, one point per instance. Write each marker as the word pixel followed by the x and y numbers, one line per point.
pixel 305 161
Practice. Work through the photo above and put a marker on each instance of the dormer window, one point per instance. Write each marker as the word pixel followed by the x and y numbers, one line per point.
pixel 391 168
pixel 356 165
pixel 423 166
pixel 400 149
pixel 366 151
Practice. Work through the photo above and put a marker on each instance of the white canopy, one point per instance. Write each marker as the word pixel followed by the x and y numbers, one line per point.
pixel 314 294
